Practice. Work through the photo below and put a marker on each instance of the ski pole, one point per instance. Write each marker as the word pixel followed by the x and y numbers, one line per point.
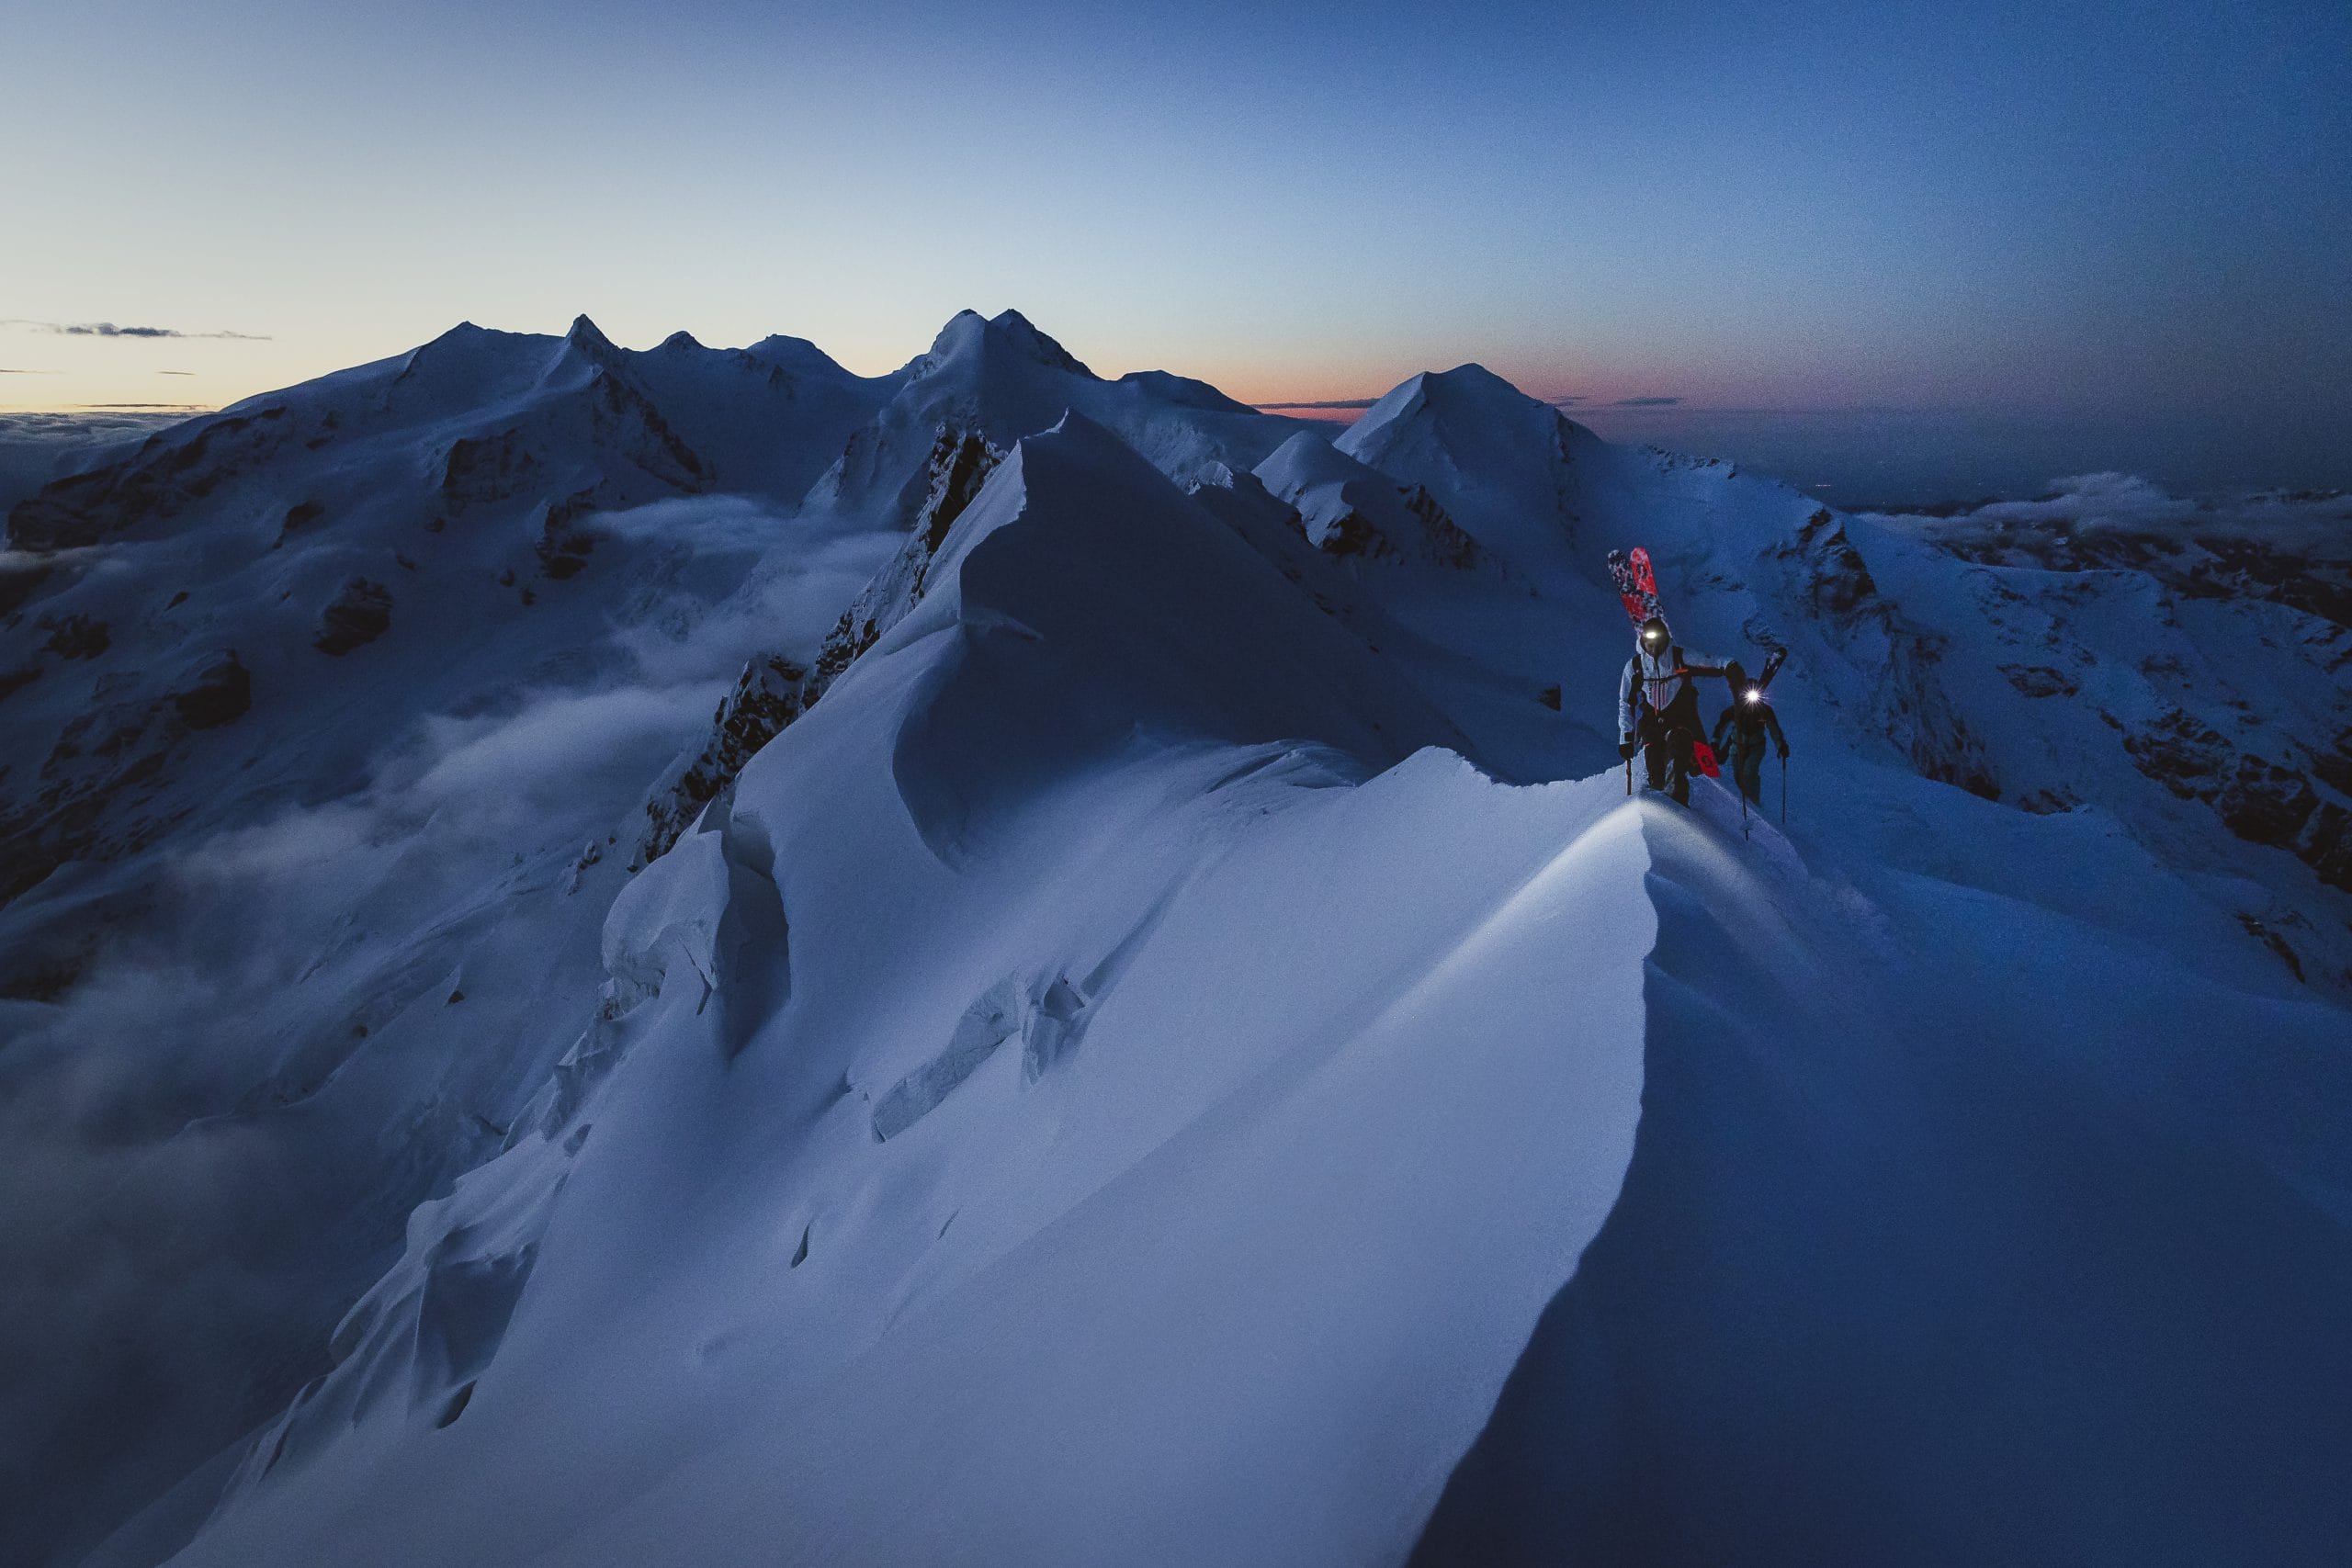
pixel 1784 789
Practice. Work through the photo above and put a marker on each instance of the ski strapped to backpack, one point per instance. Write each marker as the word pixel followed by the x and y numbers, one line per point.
pixel 1635 579
pixel 1637 584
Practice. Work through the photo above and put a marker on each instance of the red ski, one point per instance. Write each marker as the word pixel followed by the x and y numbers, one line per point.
pixel 1636 583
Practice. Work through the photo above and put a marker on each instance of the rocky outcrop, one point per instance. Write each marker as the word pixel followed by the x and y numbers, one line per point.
pixel 482 470
pixel 96 795
pixel 1909 702
pixel 1445 540
pixel 222 694
pixel 357 616
pixel 76 636
pixel 769 694
pixel 2256 797
pixel 171 469
pixel 773 691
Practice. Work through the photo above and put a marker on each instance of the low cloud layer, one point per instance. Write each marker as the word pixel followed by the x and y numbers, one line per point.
pixel 2128 503
pixel 1569 400
pixel 196 1123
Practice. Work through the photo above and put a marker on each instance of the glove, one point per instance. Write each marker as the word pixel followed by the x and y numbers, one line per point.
pixel 1784 751
pixel 1626 748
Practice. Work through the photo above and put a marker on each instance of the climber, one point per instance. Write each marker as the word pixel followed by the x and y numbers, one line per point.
pixel 1658 707
pixel 1740 732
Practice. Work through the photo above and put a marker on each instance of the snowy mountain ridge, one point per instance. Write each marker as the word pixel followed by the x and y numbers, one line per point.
pixel 1115 990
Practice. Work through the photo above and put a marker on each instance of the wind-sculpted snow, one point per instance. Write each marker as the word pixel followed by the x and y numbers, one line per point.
pixel 1959 1230
pixel 1349 509
pixel 1070 641
pixel 1301 1185
pixel 681 955
pixel 772 690
pixel 1003 379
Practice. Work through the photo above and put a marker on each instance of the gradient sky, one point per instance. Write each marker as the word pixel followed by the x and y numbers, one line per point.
pixel 2098 211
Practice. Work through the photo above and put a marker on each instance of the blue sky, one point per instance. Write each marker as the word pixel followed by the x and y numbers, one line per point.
pixel 2087 212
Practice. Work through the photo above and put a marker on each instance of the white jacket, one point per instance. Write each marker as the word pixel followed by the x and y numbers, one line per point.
pixel 1656 678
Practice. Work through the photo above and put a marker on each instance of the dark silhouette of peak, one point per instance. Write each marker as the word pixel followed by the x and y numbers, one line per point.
pixel 588 339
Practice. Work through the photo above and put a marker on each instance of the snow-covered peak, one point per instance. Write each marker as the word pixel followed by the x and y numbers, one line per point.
pixel 1465 399
pixel 1001 379
pixel 1307 458
pixel 969 341
pixel 1500 461
pixel 1017 330
pixel 1185 390
pixel 798 357
pixel 1353 512
pixel 590 339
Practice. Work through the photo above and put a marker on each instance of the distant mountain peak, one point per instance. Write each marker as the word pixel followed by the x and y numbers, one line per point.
pixel 587 336
pixel 968 332
pixel 1467 387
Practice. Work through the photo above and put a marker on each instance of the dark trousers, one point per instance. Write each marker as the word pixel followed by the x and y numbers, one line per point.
pixel 1748 768
pixel 1667 738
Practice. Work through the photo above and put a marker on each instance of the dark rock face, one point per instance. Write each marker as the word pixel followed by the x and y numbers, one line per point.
pixel 958 464
pixel 1353 534
pixel 95 796
pixel 222 694
pixel 770 693
pixel 564 548
pixel 2256 797
pixel 1910 703
pixel 165 474
pixel 359 614
pixel 20 583
pixel 78 636
pixel 2197 565
pixel 774 691
pixel 1843 582
pixel 301 515
pixel 2039 681
pixel 1448 543
pixel 485 469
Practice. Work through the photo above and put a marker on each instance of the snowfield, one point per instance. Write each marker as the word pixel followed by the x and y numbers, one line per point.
pixel 681 957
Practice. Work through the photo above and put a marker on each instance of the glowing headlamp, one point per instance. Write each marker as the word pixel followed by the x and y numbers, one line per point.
pixel 1753 695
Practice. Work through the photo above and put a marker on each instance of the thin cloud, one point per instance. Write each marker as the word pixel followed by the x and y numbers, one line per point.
pixel 9 370
pixel 1644 402
pixel 109 329
pixel 175 372
pixel 1366 402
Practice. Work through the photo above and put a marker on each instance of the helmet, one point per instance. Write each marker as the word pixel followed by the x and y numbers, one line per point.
pixel 1653 633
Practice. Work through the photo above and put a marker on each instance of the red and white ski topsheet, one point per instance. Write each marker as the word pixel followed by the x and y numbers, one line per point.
pixel 1636 583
